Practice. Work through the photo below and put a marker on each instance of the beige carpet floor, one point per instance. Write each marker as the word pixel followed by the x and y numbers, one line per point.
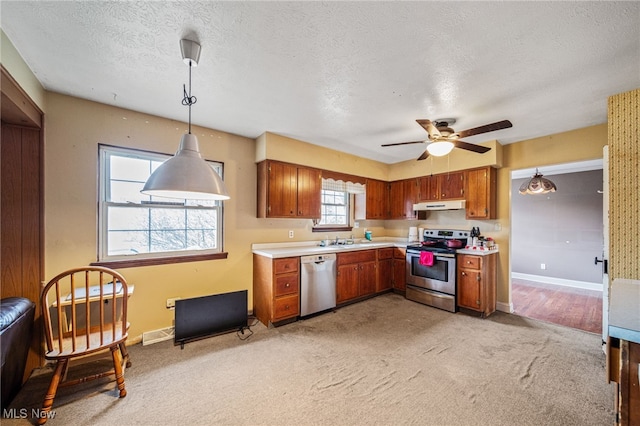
pixel 383 361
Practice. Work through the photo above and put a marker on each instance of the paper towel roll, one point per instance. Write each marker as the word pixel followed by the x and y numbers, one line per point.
pixel 413 234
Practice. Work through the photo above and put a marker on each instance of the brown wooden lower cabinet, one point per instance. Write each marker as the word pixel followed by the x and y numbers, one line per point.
pixel 276 289
pixel 477 282
pixel 356 275
pixel 399 269
pixel 385 269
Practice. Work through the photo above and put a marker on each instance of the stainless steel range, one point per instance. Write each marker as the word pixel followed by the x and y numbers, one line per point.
pixel 431 268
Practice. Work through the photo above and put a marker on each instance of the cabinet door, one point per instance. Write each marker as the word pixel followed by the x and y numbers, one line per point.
pixel 385 274
pixel 480 193
pixel 399 274
pixel 429 188
pixel 309 193
pixel 451 185
pixel 282 190
pixel 469 286
pixel 396 200
pixel 377 199
pixel 347 283
pixel 367 278
pixel 410 191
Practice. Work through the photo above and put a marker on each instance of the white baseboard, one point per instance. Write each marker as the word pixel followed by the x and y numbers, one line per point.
pixel 558 281
pixel 504 307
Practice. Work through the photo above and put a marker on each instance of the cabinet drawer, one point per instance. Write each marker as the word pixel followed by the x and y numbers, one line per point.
pixel 385 253
pixel 470 262
pixel 285 307
pixel 399 253
pixel 286 265
pixel 356 257
pixel 286 284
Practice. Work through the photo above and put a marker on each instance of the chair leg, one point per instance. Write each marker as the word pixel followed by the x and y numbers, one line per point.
pixel 125 354
pixel 61 367
pixel 117 366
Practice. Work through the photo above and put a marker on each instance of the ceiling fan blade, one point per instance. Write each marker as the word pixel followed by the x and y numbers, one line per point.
pixel 424 155
pixel 499 125
pixel 433 132
pixel 401 143
pixel 470 147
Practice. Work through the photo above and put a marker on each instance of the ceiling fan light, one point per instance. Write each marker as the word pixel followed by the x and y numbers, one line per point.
pixel 186 175
pixel 439 149
pixel 537 185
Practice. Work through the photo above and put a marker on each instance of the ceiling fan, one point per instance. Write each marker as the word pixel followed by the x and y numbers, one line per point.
pixel 442 138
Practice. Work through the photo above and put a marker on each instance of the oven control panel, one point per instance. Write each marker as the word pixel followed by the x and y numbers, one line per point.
pixel 445 233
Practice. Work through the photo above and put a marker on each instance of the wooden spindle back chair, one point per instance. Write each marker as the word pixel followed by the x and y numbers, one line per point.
pixel 84 311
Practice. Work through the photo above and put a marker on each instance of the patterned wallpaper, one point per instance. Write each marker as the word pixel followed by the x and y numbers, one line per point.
pixel 624 190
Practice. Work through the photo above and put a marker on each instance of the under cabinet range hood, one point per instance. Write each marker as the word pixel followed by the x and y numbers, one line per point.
pixel 440 205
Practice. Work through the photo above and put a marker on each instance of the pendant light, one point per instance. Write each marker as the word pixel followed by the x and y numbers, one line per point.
pixel 537 185
pixel 187 175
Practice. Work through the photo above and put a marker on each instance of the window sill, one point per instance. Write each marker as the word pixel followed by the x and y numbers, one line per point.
pixel 332 229
pixel 134 263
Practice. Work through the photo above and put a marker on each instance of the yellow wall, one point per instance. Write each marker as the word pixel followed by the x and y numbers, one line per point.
pixel 15 65
pixel 277 147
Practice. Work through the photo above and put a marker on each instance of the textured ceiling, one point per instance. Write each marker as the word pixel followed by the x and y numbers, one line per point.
pixel 347 75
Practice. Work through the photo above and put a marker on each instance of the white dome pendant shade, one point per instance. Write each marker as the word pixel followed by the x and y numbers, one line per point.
pixel 187 175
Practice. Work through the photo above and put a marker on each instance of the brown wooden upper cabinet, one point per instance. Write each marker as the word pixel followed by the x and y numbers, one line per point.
pixel 374 204
pixel 480 193
pixel 403 194
pixel 429 188
pixel 446 186
pixel 288 190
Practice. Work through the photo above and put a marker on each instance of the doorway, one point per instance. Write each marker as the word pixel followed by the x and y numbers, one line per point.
pixel 555 238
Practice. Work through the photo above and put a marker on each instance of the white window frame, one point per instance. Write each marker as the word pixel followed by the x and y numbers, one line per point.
pixel 332 226
pixel 104 204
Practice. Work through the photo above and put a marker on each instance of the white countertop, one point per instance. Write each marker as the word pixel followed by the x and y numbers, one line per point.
pixel 624 310
pixel 278 250
pixel 478 251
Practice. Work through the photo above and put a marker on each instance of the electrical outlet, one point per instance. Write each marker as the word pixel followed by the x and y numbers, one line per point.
pixel 356 225
pixel 171 303
pixel 543 266
pixel 290 234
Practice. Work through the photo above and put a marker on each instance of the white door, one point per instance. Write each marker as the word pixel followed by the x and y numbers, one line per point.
pixel 605 249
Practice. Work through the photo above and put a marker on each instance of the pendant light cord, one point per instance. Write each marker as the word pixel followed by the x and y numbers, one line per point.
pixel 188 100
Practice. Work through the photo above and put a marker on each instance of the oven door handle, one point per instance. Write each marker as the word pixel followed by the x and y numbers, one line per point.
pixel 444 256
pixel 437 256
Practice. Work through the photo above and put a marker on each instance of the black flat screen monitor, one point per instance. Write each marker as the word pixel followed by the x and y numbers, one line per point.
pixel 206 316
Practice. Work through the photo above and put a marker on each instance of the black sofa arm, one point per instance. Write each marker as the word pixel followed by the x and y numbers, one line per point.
pixel 16 327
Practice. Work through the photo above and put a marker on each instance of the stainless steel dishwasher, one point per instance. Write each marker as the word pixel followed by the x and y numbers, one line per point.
pixel 317 283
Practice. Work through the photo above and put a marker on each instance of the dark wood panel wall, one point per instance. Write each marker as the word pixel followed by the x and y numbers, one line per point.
pixel 21 206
